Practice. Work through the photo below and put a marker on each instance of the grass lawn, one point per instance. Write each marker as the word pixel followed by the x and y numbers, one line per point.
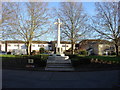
pixel 7 56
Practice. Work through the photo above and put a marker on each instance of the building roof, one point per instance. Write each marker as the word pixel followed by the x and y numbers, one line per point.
pixel 95 40
pixel 37 42
pixel 43 42
pixel 15 41
pixel 62 42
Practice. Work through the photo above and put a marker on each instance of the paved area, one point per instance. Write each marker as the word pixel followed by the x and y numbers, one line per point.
pixel 37 79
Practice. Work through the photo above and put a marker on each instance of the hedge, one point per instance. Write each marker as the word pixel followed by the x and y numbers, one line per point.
pixel 22 61
pixel 78 60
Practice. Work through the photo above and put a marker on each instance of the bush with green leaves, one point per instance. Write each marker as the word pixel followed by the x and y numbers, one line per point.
pixel 78 60
pixel 42 50
pixel 33 52
pixel 83 52
pixel 72 56
pixel 39 60
pixel 110 53
pixel 22 60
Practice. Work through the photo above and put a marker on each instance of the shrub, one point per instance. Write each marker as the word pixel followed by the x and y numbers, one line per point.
pixel 112 53
pixel 79 61
pixel 67 52
pixel 33 52
pixel 83 52
pixel 42 50
pixel 22 61
pixel 72 56
pixel 8 52
pixel 39 60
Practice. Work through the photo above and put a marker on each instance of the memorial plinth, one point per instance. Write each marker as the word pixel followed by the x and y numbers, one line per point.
pixel 59 49
pixel 59 56
pixel 58 61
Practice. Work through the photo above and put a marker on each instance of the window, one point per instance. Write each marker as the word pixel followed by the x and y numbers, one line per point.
pixel 16 45
pixel 40 45
pixel 9 45
pixel 33 45
pixel 64 45
pixel 119 48
pixel 49 46
pixel 111 47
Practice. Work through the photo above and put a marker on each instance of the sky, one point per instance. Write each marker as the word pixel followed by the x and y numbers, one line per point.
pixel 60 0
pixel 88 7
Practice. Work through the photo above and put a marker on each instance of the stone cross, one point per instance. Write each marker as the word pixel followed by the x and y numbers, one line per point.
pixel 58 36
pixel 119 15
pixel 58 31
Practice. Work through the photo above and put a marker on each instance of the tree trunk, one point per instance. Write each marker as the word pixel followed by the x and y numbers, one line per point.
pixel 116 48
pixel 72 47
pixel 28 48
pixel 6 46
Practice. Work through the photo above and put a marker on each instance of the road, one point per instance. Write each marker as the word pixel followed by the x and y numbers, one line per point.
pixel 38 79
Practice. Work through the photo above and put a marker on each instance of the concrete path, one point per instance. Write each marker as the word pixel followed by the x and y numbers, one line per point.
pixel 35 79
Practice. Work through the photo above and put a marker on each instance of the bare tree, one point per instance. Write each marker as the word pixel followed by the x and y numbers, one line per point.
pixel 8 15
pixel 31 21
pixel 74 21
pixel 119 17
pixel 106 21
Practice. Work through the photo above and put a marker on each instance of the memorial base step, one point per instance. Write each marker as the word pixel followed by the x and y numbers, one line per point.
pixel 59 63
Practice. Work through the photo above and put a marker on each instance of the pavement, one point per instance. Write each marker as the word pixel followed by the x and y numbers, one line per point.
pixel 39 79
